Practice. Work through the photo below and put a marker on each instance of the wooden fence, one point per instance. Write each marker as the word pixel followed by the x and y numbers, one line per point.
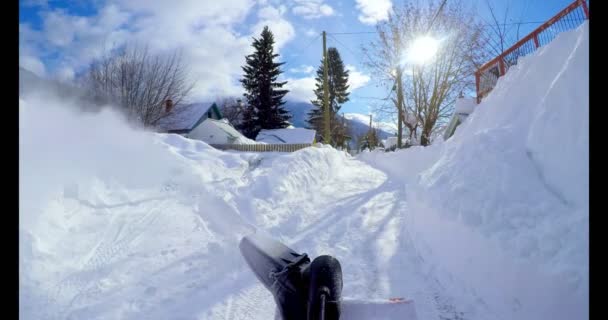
pixel 262 147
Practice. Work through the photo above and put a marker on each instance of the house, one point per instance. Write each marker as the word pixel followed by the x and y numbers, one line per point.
pixel 464 107
pixel 184 118
pixel 287 136
pixel 390 142
pixel 221 131
pixel 202 122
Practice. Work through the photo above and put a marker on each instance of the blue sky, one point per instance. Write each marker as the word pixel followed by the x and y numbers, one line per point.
pixel 59 38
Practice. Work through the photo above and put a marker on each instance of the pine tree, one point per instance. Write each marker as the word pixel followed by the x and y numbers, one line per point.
pixel 337 81
pixel 370 140
pixel 264 95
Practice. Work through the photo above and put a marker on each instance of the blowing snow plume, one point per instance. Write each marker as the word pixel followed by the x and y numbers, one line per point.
pixel 102 205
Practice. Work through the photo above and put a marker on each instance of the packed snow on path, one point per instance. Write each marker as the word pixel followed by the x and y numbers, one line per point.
pixel 117 223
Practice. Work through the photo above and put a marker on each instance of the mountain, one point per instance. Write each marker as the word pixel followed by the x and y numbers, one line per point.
pixel 299 113
pixel 358 123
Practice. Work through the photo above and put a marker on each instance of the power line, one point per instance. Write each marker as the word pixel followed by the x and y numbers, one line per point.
pixel 355 55
pixel 436 14
pixel 313 40
pixel 368 98
pixel 345 46
pixel 360 32
pixel 287 63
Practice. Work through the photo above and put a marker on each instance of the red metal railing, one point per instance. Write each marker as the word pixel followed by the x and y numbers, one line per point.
pixel 569 18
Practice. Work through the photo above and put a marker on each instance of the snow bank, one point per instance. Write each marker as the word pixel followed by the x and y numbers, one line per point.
pixel 502 207
pixel 283 182
pixel 403 164
pixel 103 207
pixel 117 223
pixel 518 169
pixel 306 170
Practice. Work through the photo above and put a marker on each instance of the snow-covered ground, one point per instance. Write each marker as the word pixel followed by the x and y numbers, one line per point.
pixel 492 224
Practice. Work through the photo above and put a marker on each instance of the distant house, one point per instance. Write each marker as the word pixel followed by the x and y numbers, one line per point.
pixel 286 136
pixel 464 107
pixel 185 118
pixel 390 142
pixel 201 122
pixel 214 131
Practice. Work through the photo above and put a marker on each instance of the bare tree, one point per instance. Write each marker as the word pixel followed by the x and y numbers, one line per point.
pixel 496 32
pixel 140 83
pixel 428 92
pixel 502 32
pixel 232 109
pixel 341 131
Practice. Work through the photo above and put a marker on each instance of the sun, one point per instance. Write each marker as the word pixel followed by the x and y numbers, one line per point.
pixel 423 49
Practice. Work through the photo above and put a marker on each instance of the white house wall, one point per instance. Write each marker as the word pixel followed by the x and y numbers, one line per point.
pixel 208 132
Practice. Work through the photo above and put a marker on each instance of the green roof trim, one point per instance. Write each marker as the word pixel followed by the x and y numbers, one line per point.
pixel 215 110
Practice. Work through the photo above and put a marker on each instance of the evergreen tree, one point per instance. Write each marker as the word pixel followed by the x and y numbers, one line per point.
pixel 337 82
pixel 264 95
pixel 370 140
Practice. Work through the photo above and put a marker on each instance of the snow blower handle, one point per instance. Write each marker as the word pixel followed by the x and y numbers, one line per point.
pixel 325 289
pixel 302 290
pixel 322 307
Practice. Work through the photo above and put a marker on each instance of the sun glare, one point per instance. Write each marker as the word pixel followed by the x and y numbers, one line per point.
pixel 422 50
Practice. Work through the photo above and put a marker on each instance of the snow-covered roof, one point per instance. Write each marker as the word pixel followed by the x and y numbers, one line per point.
pixel 287 135
pixel 227 128
pixel 184 117
pixel 465 105
pixel 389 142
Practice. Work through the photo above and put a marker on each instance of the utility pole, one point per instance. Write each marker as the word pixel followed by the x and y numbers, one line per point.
pixel 326 113
pixel 399 107
pixel 370 133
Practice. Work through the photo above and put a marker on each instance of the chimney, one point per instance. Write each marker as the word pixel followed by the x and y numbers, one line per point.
pixel 168 105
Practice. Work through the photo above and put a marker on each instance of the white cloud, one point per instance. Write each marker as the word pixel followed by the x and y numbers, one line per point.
pixel 32 64
pixel 34 3
pixel 78 40
pixel 356 79
pixel 65 74
pixel 272 17
pixel 312 9
pixel 373 11
pixel 311 32
pixel 212 48
pixel 302 69
pixel 301 89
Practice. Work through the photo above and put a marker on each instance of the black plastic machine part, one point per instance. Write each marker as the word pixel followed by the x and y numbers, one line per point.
pixel 302 290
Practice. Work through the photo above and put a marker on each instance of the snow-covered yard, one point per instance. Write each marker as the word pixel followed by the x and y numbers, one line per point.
pixel 492 224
